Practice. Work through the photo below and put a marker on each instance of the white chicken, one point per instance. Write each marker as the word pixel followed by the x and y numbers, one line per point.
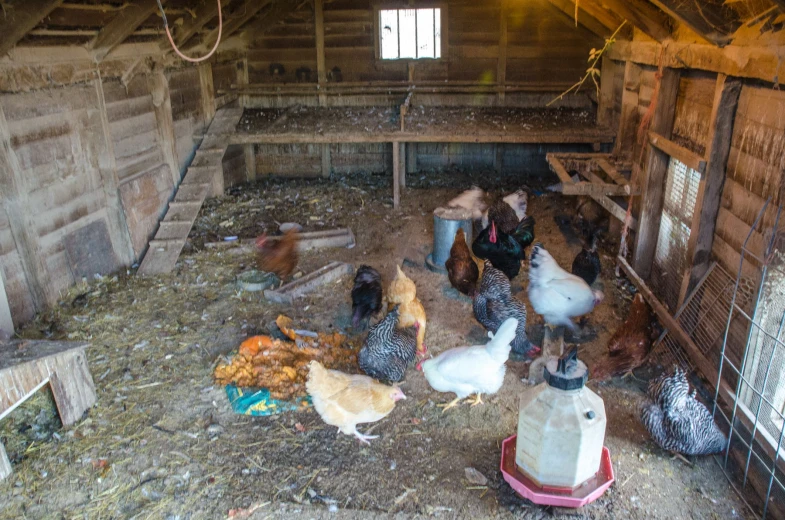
pixel 472 370
pixel 473 200
pixel 556 294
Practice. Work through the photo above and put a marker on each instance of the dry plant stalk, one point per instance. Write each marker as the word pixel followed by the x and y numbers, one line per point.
pixel 594 57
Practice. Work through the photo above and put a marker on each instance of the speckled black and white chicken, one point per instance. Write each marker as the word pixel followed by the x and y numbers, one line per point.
pixel 493 303
pixel 677 421
pixel 388 351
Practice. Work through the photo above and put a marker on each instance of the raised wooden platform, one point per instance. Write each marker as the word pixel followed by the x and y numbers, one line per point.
pixel 203 178
pixel 26 366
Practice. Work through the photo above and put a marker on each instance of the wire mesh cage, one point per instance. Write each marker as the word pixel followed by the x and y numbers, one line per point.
pixel 750 394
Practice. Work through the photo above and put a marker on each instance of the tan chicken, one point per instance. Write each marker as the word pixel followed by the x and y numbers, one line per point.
pixel 630 344
pixel 344 400
pixel 278 256
pixel 403 292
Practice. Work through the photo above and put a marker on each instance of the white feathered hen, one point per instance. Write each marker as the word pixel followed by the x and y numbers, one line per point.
pixel 556 294
pixel 472 370
pixel 472 200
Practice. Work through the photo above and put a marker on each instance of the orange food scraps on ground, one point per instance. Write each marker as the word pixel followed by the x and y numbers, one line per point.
pixel 282 366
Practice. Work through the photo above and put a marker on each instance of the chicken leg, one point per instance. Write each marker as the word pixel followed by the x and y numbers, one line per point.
pixel 681 457
pixel 451 404
pixel 364 438
pixel 477 399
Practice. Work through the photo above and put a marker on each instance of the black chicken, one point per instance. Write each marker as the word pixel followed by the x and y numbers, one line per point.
pixel 366 295
pixel 493 303
pixel 587 263
pixel 505 251
pixel 677 421
pixel 388 351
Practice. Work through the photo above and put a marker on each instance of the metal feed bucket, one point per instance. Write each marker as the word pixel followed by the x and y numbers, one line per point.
pixel 446 222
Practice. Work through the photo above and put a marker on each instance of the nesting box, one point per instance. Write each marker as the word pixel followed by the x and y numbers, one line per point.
pixel 561 427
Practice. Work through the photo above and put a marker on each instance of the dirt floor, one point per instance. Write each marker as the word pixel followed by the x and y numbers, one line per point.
pixel 162 441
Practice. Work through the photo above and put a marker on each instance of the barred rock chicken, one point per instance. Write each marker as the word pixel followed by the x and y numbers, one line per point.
pixel 587 263
pixel 677 421
pixel 494 303
pixel 472 200
pixel 388 350
pixel 472 370
pixel 403 292
pixel 345 401
pixel 461 268
pixel 278 256
pixel 630 344
pixel 366 295
pixel 556 294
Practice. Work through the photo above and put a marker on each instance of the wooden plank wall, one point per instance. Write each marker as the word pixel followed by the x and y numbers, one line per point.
pixel 543 45
pixel 96 181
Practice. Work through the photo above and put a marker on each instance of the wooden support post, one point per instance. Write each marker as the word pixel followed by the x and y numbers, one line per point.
pixel 628 123
pixel 208 92
pixel 250 162
pixel 321 72
pixel 402 175
pixel 242 78
pixel 656 171
pixel 396 156
pixel 107 167
pixel 704 222
pixel 501 62
pixel 411 158
pixel 162 103
pixel 606 102
pixel 326 162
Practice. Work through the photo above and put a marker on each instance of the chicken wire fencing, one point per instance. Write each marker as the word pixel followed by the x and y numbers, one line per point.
pixel 670 258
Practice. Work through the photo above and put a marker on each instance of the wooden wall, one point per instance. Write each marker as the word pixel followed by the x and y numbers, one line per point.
pixel 93 170
pixel 543 45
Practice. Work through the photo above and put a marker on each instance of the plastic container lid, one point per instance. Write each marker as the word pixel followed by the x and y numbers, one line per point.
pixel 566 372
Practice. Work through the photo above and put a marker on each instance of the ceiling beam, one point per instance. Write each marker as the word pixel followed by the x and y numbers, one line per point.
pixel 231 24
pixel 192 24
pixel 641 14
pixel 589 22
pixel 21 18
pixel 705 18
pixel 120 27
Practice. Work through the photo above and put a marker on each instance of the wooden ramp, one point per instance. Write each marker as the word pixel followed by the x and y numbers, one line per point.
pixel 203 178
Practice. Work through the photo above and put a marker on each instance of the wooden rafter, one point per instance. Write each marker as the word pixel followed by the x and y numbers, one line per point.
pixel 591 23
pixel 191 25
pixel 21 19
pixel 123 24
pixel 705 18
pixel 232 23
pixel 641 14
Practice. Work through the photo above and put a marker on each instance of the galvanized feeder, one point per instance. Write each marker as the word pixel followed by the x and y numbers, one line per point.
pixel 446 222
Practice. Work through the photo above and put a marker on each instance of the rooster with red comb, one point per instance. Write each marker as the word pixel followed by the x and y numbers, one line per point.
pixel 505 251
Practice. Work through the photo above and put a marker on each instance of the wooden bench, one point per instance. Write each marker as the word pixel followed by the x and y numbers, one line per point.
pixel 27 365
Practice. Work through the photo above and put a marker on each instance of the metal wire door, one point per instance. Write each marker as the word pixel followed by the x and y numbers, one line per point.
pixel 756 416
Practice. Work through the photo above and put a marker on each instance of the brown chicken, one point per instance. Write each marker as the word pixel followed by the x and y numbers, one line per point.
pixel 278 256
pixel 630 344
pixel 461 268
pixel 344 400
pixel 403 292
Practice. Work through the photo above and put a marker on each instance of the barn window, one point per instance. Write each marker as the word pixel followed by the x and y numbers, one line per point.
pixel 670 259
pixel 410 33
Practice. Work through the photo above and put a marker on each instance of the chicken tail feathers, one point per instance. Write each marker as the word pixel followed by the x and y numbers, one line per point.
pixel 499 346
pixel 524 232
